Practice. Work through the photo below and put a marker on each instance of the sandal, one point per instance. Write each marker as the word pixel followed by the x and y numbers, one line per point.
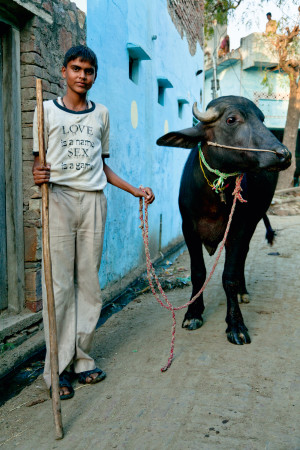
pixel 64 381
pixel 84 375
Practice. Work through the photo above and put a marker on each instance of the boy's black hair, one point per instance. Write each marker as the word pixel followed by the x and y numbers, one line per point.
pixel 82 52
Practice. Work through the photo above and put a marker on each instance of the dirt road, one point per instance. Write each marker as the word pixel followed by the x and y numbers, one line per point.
pixel 215 396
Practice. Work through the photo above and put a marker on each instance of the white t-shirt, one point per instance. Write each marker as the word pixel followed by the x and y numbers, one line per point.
pixel 75 142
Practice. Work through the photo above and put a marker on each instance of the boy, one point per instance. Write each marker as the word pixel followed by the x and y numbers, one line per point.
pixel 77 141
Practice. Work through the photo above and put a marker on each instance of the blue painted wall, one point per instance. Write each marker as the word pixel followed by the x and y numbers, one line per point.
pixel 134 154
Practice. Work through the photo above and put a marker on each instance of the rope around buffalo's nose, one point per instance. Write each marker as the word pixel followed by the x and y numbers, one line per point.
pixel 151 275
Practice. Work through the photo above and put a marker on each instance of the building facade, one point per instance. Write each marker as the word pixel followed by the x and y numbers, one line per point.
pixel 34 35
pixel 244 72
pixel 149 62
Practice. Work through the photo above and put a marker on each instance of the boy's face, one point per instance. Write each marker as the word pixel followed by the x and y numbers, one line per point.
pixel 80 75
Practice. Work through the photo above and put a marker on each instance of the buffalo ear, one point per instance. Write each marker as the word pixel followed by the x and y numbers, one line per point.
pixel 187 138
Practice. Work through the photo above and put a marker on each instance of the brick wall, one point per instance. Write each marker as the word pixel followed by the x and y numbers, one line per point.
pixel 42 49
pixel 188 17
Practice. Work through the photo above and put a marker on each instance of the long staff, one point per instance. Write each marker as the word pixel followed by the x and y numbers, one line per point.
pixel 48 271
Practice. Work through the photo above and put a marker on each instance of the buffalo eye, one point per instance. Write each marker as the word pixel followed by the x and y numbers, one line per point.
pixel 230 120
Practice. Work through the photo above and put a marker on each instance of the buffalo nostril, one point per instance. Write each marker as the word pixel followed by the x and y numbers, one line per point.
pixel 283 153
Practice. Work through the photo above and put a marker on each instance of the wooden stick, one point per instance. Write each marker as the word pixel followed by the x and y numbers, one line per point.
pixel 48 271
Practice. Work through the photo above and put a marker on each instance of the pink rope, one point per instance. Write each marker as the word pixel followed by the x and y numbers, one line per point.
pixel 151 275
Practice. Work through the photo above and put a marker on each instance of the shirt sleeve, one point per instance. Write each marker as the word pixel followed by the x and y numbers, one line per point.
pixel 105 136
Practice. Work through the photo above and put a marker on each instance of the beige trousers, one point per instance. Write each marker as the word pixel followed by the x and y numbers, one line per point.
pixel 76 225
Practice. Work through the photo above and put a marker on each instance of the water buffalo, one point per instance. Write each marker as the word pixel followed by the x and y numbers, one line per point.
pixel 237 122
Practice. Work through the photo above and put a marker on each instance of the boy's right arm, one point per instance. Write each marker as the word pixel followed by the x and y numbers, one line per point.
pixel 41 174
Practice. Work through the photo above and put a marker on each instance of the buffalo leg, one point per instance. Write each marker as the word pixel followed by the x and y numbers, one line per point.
pixel 193 317
pixel 243 295
pixel 233 276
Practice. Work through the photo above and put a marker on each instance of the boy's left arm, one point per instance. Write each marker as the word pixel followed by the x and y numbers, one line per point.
pixel 117 181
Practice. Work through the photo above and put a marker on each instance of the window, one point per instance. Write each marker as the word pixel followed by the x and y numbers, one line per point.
pixel 181 103
pixel 161 95
pixel 136 54
pixel 162 85
pixel 134 70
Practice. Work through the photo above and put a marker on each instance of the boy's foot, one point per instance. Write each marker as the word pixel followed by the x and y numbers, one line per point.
pixel 91 376
pixel 66 390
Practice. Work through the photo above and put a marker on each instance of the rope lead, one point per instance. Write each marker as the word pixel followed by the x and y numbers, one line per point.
pixel 151 275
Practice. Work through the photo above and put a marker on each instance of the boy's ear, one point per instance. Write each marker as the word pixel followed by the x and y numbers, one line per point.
pixel 63 71
pixel 187 138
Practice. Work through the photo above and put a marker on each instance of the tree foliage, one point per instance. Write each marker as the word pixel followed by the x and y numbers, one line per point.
pixel 218 10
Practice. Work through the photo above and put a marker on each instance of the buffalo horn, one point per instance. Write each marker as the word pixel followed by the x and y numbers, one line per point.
pixel 208 116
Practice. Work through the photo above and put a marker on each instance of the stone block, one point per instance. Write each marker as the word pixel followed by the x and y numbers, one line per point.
pixel 28 46
pixel 48 7
pixel 81 19
pixel 27 131
pixel 32 241
pixel 33 286
pixel 30 70
pixel 72 16
pixel 16 339
pixel 65 39
pixel 48 95
pixel 32 58
pixel 32 329
pixel 31 215
pixel 29 93
pixel 35 205
pixel 28 105
pixel 27 146
pixel 27 118
pixel 55 88
pixel 28 182
pixel 29 82
pixel 34 306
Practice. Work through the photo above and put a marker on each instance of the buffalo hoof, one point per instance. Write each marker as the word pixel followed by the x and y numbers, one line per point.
pixel 244 298
pixel 239 336
pixel 192 324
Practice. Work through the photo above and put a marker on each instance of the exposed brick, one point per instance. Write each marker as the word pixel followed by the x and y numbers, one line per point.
pixel 72 16
pixel 48 6
pixel 188 18
pixel 49 96
pixel 42 47
pixel 28 82
pixel 27 117
pixel 27 146
pixel 31 215
pixel 33 286
pixel 34 306
pixel 28 105
pixel 27 131
pixel 35 205
pixel 32 237
pixel 65 39
pixel 29 46
pixel 32 58
pixel 55 88
pixel 31 70
pixel 81 19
